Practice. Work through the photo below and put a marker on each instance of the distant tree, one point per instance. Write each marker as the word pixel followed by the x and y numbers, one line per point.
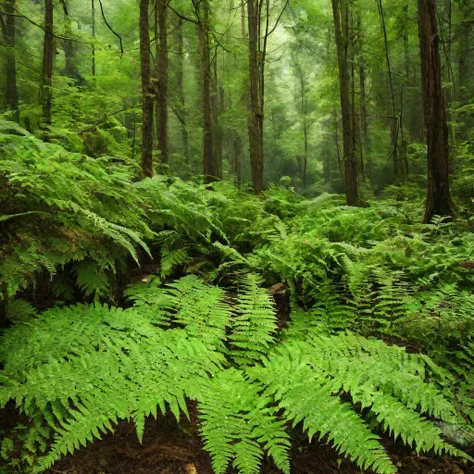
pixel 211 168
pixel 256 69
pixel 161 15
pixel 9 34
pixel 438 199
pixel 341 24
pixel 46 91
pixel 179 108
pixel 147 92
pixel 71 70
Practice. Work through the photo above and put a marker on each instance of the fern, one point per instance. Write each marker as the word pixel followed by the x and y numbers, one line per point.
pixel 77 370
pixel 254 326
pixel 237 420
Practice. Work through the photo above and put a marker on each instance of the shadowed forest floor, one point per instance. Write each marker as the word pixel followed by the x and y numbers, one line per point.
pixel 170 449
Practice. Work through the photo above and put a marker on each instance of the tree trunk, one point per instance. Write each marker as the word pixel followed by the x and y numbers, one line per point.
pixel 237 162
pixel 338 148
pixel 161 11
pixel 464 34
pixel 341 23
pixel 397 168
pixel 364 142
pixel 210 166
pixel 147 92
pixel 216 106
pixel 255 125
pixel 93 35
pixel 438 200
pixel 11 91
pixel 181 112
pixel 47 71
pixel 71 69
pixel 304 117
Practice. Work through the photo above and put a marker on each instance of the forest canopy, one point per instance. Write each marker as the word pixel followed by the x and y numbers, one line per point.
pixel 253 215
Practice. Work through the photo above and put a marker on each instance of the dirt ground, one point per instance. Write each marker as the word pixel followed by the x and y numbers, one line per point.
pixel 171 449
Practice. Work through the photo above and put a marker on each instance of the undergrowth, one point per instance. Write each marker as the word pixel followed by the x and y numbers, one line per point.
pixel 380 336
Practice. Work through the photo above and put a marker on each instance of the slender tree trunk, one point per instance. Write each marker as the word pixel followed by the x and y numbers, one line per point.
pixel 11 91
pixel 364 128
pixel 210 166
pixel 438 200
pixel 357 139
pixel 238 158
pixel 397 169
pixel 71 69
pixel 464 33
pixel 341 23
pixel 147 92
pixel 161 11
pixel 47 70
pixel 181 114
pixel 216 106
pixel 93 35
pixel 255 125
pixel 338 148
pixel 304 120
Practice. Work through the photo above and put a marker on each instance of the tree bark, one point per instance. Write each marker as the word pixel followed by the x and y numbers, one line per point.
pixel 47 70
pixel 438 200
pixel 161 11
pixel 147 92
pixel 341 23
pixel 255 125
pixel 11 91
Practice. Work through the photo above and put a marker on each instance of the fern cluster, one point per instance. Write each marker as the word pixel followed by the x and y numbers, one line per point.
pixel 59 207
pixel 77 370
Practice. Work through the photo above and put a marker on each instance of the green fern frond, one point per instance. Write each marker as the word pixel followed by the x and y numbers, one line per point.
pixel 254 326
pixel 236 420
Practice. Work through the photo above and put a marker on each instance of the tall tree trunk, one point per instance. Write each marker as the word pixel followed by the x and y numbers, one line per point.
pixel 364 142
pixel 216 106
pixel 357 137
pixel 341 23
pixel 238 158
pixel 180 110
pixel 161 11
pixel 255 125
pixel 47 70
pixel 464 34
pixel 397 168
pixel 210 165
pixel 71 69
pixel 238 142
pixel 147 92
pixel 11 91
pixel 438 200
pixel 93 35
pixel 304 117
pixel 338 148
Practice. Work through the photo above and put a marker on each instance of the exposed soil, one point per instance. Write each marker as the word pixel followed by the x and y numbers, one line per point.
pixel 168 448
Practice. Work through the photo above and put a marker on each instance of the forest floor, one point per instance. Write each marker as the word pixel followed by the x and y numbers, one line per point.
pixel 169 448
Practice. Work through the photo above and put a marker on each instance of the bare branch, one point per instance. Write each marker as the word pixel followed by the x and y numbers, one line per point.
pixel 110 28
